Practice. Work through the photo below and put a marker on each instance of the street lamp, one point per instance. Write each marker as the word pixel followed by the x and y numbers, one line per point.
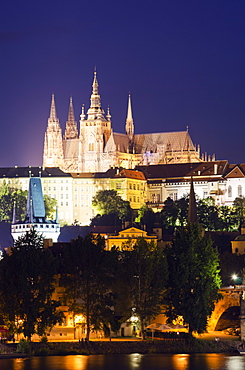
pixel 237 279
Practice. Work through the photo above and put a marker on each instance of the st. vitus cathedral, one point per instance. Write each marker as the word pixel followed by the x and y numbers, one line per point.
pixel 94 147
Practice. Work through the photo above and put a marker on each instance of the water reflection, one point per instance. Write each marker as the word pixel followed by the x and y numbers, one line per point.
pixel 133 361
pixel 235 363
pixel 18 364
pixel 77 363
pixel 214 361
pixel 181 362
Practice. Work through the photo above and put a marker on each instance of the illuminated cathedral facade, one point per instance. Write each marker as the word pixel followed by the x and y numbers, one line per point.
pixel 95 147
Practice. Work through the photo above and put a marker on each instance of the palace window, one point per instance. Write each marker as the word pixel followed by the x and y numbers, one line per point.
pixel 229 191
pixel 239 190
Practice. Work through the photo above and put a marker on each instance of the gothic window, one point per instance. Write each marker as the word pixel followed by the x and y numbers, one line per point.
pixel 91 143
pixel 239 190
pixel 91 147
pixel 229 191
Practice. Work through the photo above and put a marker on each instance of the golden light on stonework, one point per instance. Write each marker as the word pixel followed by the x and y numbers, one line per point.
pixel 79 319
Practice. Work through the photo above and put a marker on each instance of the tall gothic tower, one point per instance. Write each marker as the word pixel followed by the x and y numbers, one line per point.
pixel 129 127
pixel 71 125
pixel 94 133
pixel 53 148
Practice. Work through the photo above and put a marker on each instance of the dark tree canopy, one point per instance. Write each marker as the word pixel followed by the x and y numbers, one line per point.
pixel 194 278
pixel 87 278
pixel 26 287
pixel 147 273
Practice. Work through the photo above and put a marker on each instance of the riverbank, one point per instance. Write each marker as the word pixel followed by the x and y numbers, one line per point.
pixel 190 346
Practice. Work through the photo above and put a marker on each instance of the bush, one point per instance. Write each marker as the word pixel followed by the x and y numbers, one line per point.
pixel 44 339
pixel 24 347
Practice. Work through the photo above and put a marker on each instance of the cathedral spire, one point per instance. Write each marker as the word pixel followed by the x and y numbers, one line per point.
pixel 53 115
pixel 53 147
pixel 95 84
pixel 71 125
pixel 95 111
pixel 129 121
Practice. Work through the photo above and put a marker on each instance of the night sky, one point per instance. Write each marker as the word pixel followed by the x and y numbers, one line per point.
pixel 182 61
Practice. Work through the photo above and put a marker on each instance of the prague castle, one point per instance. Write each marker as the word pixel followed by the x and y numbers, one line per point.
pixel 94 147
pixel 142 168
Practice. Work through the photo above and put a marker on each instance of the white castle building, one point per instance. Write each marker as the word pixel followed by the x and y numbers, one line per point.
pixel 95 147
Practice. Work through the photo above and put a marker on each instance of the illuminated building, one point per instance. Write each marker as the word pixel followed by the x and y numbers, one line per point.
pixel 150 185
pixel 95 147
pixel 173 181
pixel 126 238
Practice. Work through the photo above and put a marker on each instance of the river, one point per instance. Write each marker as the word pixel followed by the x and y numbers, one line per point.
pixel 133 361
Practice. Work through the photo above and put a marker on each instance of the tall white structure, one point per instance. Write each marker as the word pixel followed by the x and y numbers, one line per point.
pixel 95 147
pixel 36 215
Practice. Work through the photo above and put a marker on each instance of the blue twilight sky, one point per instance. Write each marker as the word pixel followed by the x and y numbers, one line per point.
pixel 182 60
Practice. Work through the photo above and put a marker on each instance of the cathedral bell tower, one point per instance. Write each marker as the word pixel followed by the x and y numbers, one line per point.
pixel 95 131
pixel 53 149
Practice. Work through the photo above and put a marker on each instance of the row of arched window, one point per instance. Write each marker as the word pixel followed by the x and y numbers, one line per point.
pixel 239 191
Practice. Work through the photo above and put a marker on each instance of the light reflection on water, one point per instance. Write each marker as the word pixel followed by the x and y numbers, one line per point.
pixel 133 361
pixel 181 362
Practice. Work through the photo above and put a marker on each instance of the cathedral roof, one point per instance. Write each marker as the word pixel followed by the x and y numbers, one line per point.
pixel 71 148
pixel 121 141
pixel 176 141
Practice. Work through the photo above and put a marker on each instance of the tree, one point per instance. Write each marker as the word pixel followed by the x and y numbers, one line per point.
pixel 10 197
pixel 169 214
pixel 26 287
pixel 239 207
pixel 146 217
pixel 108 201
pixel 194 278
pixel 50 206
pixel 208 214
pixel 147 275
pixel 87 277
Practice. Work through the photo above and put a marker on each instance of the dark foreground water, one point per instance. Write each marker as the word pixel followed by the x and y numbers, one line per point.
pixel 128 362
